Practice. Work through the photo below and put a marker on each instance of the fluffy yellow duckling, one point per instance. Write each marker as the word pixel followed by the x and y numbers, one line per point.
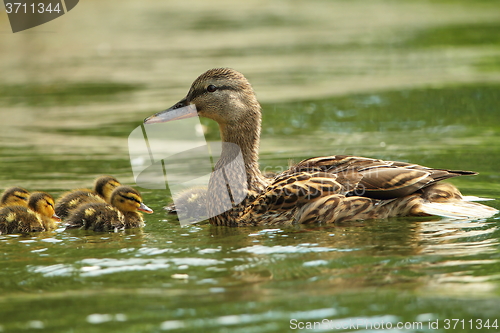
pixel 103 187
pixel 38 216
pixel 43 204
pixel 14 196
pixel 122 213
pixel 191 203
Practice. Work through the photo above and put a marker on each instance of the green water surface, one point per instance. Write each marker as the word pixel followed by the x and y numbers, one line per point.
pixel 441 109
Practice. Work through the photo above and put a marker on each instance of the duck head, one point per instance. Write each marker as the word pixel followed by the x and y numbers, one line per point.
pixel 220 94
pixel 226 96
pixel 14 196
pixel 128 199
pixel 43 204
pixel 105 185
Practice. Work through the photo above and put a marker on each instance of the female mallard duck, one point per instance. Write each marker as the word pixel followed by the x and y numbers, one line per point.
pixel 14 196
pixel 103 187
pixel 322 189
pixel 38 216
pixel 122 213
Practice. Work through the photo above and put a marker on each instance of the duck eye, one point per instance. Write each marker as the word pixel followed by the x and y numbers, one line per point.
pixel 211 88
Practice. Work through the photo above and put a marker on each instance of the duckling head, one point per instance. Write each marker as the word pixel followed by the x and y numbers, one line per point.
pixel 105 185
pixel 14 196
pixel 128 199
pixel 43 203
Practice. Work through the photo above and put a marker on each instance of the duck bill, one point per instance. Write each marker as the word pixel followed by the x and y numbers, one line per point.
pixel 56 218
pixel 176 112
pixel 145 209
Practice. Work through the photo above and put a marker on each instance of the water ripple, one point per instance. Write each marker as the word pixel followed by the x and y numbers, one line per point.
pixel 91 267
pixel 301 248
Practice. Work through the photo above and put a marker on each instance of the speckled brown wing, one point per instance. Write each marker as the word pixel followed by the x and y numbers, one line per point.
pixel 288 192
pixel 377 179
pixel 391 182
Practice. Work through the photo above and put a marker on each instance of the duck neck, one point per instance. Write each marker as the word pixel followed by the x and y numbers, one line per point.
pixel 245 138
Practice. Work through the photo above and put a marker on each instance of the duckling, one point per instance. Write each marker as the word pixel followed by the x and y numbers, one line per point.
pixel 326 189
pixel 96 216
pixel 38 216
pixel 43 204
pixel 103 187
pixel 121 214
pixel 129 201
pixel 14 196
pixel 191 202
pixel 19 219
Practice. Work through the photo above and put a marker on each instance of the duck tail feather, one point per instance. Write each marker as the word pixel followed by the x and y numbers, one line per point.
pixel 458 210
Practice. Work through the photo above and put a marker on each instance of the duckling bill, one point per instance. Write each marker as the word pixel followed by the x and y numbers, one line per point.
pixel 326 189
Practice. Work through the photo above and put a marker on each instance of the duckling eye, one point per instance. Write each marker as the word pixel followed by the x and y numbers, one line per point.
pixel 211 88
pixel 21 197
